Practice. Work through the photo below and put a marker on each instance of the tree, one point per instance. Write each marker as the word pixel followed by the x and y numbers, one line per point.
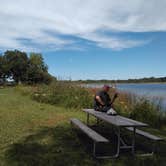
pixel 1 66
pixel 2 74
pixel 37 69
pixel 37 61
pixel 16 65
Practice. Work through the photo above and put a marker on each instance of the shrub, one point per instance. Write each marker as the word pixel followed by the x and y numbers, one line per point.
pixel 70 95
pixel 64 94
pixel 141 109
pixel 146 111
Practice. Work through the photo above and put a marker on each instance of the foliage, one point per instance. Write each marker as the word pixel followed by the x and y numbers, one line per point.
pixel 141 109
pixel 64 94
pixel 70 95
pixel 146 111
pixel 37 70
pixel 1 67
pixel 16 65
pixel 61 94
pixel 140 80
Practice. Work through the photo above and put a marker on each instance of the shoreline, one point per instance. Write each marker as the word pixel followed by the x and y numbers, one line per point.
pixel 127 83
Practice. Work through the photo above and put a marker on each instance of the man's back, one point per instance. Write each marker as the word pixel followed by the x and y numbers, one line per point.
pixel 104 97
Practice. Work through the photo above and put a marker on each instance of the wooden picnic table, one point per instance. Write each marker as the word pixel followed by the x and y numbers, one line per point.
pixel 118 122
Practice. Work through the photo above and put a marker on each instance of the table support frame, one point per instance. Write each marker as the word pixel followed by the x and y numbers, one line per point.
pixel 120 142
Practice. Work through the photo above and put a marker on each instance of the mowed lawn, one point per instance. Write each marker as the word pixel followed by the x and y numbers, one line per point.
pixel 34 126
pixel 33 133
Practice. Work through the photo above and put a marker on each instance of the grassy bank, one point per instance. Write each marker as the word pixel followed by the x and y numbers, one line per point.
pixel 28 128
pixel 34 133
pixel 71 95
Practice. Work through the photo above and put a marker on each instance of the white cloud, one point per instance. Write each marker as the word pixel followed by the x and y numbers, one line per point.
pixel 31 19
pixel 113 42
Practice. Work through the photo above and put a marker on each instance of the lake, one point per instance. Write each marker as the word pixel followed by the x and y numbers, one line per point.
pixel 149 90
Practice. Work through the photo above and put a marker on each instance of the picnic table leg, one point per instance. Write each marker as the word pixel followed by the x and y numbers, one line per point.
pixel 94 149
pixel 133 141
pixel 154 148
pixel 87 118
pixel 118 146
pixel 97 121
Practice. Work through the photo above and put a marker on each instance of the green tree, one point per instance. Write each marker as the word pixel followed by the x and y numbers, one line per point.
pixel 2 74
pixel 1 66
pixel 16 65
pixel 37 70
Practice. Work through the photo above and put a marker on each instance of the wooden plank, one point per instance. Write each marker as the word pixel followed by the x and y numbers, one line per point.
pixel 115 120
pixel 91 133
pixel 145 134
pixel 108 118
pixel 134 121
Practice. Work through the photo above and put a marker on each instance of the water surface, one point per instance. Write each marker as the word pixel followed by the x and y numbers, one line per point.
pixel 150 90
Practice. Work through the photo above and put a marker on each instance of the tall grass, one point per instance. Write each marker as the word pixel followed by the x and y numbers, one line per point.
pixel 61 94
pixel 142 109
pixel 73 96
pixel 149 112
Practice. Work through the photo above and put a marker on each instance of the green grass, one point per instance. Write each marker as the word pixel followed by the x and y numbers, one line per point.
pixel 33 133
pixel 70 95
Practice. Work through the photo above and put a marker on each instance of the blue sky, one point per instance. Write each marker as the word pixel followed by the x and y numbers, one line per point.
pixel 89 39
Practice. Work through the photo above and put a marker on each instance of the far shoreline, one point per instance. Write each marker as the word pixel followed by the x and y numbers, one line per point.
pixel 125 83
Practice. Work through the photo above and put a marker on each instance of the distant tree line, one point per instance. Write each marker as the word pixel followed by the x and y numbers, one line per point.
pixel 21 68
pixel 141 80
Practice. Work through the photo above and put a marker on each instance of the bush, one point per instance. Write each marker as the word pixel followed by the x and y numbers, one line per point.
pixel 70 95
pixel 64 94
pixel 141 109
pixel 146 111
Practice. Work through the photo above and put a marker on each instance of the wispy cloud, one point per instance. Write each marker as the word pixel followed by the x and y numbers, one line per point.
pixel 30 20
pixel 116 43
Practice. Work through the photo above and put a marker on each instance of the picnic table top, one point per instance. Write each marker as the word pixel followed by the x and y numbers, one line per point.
pixel 117 120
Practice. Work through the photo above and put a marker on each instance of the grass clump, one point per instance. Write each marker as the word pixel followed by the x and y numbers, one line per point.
pixel 141 109
pixel 146 111
pixel 61 94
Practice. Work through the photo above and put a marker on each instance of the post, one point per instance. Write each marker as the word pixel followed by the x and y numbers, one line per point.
pixel 94 149
pixel 118 145
pixel 87 118
pixel 97 121
pixel 118 148
pixel 133 142
pixel 154 147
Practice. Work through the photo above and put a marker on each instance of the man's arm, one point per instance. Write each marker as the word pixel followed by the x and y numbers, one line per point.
pixel 115 96
pixel 98 98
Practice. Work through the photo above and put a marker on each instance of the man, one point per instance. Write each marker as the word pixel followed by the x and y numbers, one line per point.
pixel 102 101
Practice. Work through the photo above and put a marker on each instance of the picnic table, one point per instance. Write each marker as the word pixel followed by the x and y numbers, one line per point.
pixel 118 122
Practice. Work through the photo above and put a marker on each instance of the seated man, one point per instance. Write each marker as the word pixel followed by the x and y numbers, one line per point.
pixel 102 101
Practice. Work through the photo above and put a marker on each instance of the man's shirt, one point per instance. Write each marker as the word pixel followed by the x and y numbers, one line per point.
pixel 104 97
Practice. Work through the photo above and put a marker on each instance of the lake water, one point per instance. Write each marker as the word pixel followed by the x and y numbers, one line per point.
pixel 149 90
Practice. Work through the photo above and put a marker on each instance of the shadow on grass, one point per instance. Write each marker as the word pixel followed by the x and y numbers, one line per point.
pixel 49 146
pixel 61 146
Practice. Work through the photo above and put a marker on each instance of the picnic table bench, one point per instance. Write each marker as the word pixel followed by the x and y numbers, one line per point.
pixel 118 122
pixel 153 138
pixel 96 137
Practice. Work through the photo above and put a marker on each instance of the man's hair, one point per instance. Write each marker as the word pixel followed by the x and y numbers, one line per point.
pixel 106 87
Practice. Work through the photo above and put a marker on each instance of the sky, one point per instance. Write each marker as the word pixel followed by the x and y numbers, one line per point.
pixel 89 39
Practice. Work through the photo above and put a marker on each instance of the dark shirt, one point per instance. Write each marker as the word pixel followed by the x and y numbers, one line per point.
pixel 104 97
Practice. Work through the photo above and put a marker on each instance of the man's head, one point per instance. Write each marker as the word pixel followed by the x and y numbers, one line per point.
pixel 106 88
